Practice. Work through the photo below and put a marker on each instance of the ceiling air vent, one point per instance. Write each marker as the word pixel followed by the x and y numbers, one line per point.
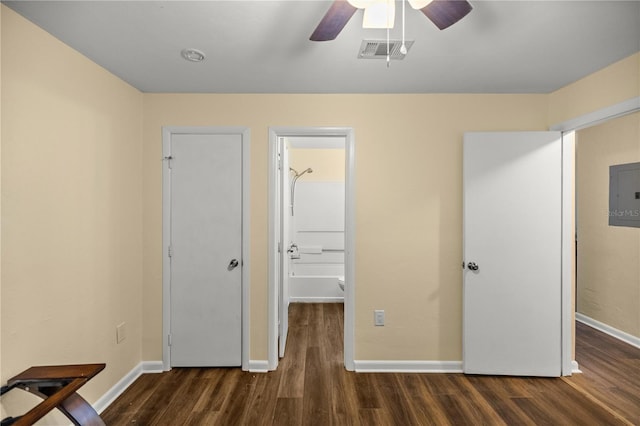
pixel 377 49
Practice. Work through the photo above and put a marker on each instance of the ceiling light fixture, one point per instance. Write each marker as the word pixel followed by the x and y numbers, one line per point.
pixel 193 55
pixel 382 13
pixel 419 4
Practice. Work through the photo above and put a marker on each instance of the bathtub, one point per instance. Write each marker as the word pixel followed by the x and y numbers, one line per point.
pixel 314 289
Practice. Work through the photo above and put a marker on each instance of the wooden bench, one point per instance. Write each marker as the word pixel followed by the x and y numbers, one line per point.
pixel 57 385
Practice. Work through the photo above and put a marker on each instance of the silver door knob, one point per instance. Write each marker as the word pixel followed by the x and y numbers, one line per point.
pixel 473 266
pixel 233 264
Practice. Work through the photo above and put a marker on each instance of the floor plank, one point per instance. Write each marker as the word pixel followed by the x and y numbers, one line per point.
pixel 311 387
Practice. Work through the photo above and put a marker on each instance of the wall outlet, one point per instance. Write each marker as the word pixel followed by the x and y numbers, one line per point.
pixel 378 317
pixel 121 332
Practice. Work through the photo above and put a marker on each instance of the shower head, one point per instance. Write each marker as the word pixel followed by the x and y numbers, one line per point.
pixel 293 183
pixel 297 175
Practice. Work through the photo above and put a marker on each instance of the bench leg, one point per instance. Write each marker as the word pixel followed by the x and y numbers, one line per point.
pixel 79 411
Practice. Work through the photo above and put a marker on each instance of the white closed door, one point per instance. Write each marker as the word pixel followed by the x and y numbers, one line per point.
pixel 206 248
pixel 512 253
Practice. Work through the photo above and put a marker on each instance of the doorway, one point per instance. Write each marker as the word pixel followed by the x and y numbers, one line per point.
pixel 608 257
pixel 206 246
pixel 569 129
pixel 313 211
pixel 283 207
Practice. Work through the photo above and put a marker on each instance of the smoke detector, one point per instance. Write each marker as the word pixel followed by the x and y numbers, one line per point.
pixel 193 55
pixel 377 49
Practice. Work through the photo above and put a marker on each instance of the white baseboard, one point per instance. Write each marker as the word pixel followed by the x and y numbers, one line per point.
pixel 152 367
pixel 575 368
pixel 122 385
pixel 258 366
pixel 614 332
pixel 408 366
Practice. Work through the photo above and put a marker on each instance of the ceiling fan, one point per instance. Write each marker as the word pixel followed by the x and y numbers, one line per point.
pixel 443 13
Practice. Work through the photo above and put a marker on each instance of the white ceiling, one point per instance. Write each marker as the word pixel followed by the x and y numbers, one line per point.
pixel 263 46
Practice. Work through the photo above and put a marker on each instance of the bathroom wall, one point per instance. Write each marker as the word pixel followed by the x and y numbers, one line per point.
pixel 317 225
pixel 328 164
pixel 608 256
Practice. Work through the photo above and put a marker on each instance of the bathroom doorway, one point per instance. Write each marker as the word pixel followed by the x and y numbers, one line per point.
pixel 314 182
pixel 311 245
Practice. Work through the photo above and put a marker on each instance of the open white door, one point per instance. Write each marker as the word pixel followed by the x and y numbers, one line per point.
pixel 512 253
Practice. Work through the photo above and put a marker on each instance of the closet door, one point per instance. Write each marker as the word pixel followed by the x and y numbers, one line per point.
pixel 206 249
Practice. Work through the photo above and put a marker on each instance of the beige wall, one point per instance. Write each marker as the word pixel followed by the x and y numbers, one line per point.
pixel 408 204
pixel 408 196
pixel 614 84
pixel 608 256
pixel 71 212
pixel 82 201
pixel 328 164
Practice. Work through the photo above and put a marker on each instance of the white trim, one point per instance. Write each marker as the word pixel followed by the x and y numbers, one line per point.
pixel 273 267
pixel 246 247
pixel 166 241
pixel 316 299
pixel 408 366
pixel 350 252
pixel 607 329
pixel 245 133
pixel 575 368
pixel 567 252
pixel 116 390
pixel 596 117
pixel 259 366
pixel 349 294
pixel 149 367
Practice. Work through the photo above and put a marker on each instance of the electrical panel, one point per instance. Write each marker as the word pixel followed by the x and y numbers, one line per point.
pixel 624 195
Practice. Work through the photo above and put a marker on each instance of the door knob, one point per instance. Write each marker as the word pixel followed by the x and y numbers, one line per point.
pixel 473 266
pixel 233 264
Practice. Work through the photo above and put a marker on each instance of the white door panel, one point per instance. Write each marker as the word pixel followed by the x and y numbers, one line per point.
pixel 512 231
pixel 206 235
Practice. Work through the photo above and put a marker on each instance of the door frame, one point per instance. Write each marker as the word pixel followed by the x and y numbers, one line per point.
pixel 245 134
pixel 275 133
pixel 568 129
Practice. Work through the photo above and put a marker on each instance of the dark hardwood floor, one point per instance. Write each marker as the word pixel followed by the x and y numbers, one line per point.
pixel 311 387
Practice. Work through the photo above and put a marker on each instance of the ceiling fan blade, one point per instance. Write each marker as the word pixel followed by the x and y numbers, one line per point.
pixel 333 21
pixel 445 13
